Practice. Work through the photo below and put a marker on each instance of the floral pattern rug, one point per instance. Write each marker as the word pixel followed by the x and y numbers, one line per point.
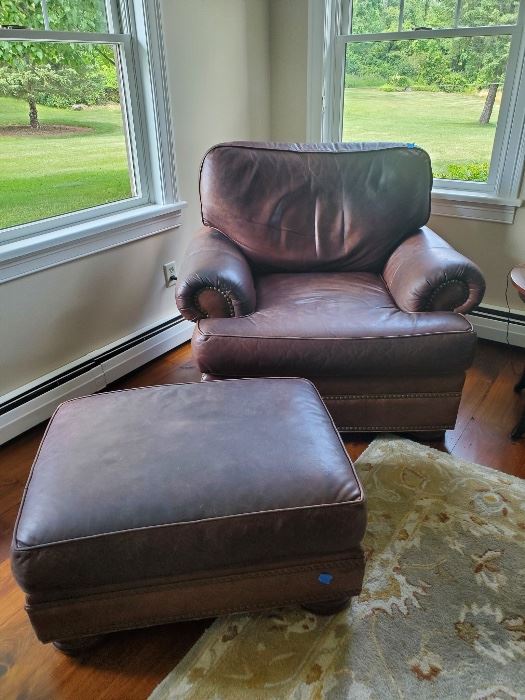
pixel 441 614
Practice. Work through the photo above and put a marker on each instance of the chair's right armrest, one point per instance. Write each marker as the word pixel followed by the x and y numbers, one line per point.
pixel 425 273
pixel 215 279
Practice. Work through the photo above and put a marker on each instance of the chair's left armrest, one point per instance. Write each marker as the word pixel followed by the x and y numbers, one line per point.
pixel 425 273
pixel 215 279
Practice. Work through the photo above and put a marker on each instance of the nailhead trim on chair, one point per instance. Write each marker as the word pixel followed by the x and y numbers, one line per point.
pixel 447 284
pixel 395 428
pixel 221 292
pixel 437 394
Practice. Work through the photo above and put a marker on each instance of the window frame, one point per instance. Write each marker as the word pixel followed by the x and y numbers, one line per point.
pixel 146 109
pixel 494 200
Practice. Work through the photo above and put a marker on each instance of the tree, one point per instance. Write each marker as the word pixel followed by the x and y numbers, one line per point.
pixel 31 81
pixel 40 71
pixel 489 104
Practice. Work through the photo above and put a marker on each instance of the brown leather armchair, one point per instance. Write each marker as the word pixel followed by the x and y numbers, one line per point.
pixel 315 261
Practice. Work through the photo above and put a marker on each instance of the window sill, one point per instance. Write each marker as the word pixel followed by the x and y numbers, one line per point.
pixel 471 205
pixel 29 255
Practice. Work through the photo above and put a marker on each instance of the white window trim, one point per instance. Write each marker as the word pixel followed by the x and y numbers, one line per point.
pixel 56 240
pixel 496 200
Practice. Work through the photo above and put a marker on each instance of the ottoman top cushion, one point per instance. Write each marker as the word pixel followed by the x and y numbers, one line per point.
pixel 181 476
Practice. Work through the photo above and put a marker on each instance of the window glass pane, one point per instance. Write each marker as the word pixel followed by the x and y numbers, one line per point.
pixel 19 14
pixel 63 142
pixel 63 15
pixel 479 13
pixel 434 14
pixel 431 92
pixel 72 15
pixel 373 16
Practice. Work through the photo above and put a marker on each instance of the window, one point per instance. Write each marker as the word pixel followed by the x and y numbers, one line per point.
pixel 444 74
pixel 85 141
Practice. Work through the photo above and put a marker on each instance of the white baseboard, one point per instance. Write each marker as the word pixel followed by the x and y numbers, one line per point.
pixel 490 323
pixel 127 361
pixel 101 371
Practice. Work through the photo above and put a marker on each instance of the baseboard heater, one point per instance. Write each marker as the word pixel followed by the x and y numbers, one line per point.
pixel 499 324
pixel 27 406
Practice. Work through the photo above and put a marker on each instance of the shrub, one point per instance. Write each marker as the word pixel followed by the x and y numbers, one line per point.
pixel 362 81
pixel 477 172
pixel 422 87
pixel 401 81
pixel 111 95
pixel 89 89
pixel 453 82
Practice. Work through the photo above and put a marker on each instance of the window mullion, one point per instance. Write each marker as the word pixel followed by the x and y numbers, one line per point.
pixel 45 14
pixel 350 5
pixel 509 149
pixel 457 14
pixel 401 15
pixel 418 34
pixel 131 103
pixel 43 35
pixel 113 17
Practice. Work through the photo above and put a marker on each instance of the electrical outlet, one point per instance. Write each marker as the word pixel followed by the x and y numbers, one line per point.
pixel 169 274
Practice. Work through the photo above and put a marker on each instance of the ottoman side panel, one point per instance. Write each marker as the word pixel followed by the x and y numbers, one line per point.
pixel 196 598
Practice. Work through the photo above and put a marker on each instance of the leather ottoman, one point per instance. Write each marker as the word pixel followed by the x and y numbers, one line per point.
pixel 184 501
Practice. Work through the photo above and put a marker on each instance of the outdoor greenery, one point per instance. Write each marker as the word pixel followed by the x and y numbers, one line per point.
pixel 444 124
pixel 450 65
pixel 44 175
pixel 64 15
pixel 56 74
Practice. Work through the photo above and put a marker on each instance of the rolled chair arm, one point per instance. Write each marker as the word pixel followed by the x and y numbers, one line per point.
pixel 425 273
pixel 215 279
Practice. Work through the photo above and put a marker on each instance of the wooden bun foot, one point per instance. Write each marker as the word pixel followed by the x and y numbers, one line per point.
pixel 519 429
pixel 74 647
pixel 330 607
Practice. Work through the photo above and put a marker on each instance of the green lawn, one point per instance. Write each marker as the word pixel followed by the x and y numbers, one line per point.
pixel 444 124
pixel 43 176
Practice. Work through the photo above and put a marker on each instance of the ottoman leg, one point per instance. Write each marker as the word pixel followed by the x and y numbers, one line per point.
pixel 519 429
pixel 521 384
pixel 74 647
pixel 327 608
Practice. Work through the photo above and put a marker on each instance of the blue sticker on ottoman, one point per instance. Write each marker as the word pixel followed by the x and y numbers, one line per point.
pixel 326 579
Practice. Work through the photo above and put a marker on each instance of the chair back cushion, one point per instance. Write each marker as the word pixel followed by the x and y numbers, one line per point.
pixel 329 206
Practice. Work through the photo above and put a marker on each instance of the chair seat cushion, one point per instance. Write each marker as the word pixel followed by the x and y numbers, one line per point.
pixel 330 324
pixel 138 487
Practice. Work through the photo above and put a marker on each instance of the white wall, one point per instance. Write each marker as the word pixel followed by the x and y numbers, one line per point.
pixel 218 65
pixel 288 59
pixel 218 59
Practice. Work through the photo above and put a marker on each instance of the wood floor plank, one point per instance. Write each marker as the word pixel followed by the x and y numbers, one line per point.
pixel 131 664
pixel 487 365
pixel 486 439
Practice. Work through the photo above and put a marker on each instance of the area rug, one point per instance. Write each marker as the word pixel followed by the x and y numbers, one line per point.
pixel 442 610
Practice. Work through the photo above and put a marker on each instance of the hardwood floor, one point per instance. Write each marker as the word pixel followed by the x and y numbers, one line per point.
pixel 130 664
